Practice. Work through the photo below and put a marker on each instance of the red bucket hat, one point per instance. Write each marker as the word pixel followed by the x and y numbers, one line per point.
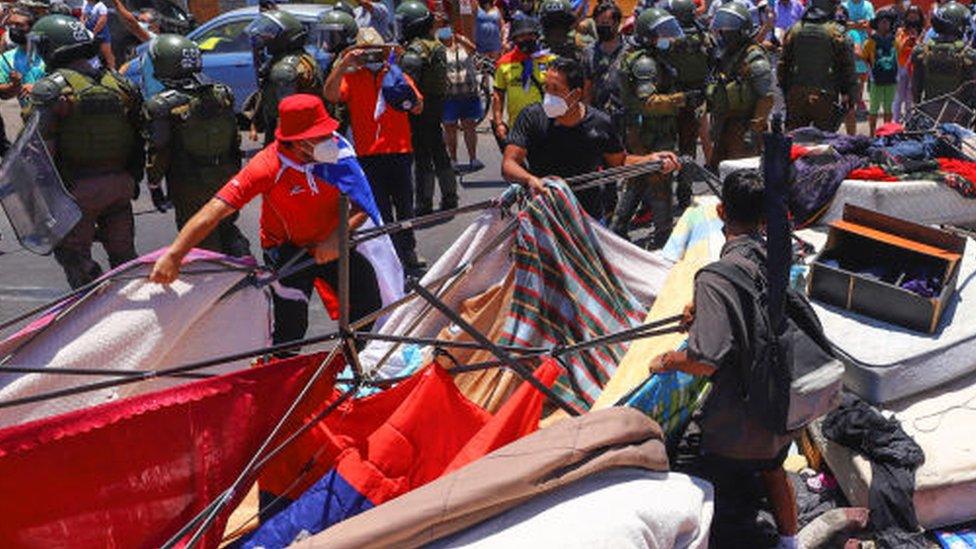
pixel 303 116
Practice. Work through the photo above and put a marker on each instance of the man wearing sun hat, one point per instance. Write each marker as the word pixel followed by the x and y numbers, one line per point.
pixel 299 215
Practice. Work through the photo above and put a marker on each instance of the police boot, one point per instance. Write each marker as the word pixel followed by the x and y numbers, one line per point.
pixel 78 268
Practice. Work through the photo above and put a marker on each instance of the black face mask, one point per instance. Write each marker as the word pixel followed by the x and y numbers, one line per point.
pixel 528 47
pixel 17 35
pixel 606 33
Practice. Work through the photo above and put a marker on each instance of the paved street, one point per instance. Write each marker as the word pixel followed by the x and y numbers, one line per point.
pixel 28 280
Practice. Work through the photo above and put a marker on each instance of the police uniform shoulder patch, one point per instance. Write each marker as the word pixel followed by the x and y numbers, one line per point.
pixel 285 71
pixel 167 103
pixel 50 89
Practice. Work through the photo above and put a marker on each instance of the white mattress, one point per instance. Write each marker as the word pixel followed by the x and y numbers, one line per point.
pixel 943 423
pixel 886 362
pixel 619 508
pixel 926 202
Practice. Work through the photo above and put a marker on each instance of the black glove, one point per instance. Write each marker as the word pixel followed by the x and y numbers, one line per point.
pixel 158 198
pixel 694 98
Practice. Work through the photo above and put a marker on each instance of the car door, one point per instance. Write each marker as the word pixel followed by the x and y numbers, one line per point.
pixel 227 56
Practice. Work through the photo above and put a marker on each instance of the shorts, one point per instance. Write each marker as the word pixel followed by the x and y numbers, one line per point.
pixel 882 97
pixel 462 108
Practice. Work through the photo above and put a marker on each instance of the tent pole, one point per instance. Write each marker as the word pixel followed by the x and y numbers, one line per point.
pixel 451 281
pixel 510 362
pixel 226 496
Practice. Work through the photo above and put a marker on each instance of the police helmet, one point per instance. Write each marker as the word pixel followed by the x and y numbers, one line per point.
pixel 175 57
pixel 277 32
pixel 952 20
pixel 654 25
pixel 556 13
pixel 732 25
pixel 337 30
pixel 413 19
pixel 524 25
pixel 60 39
pixel 682 10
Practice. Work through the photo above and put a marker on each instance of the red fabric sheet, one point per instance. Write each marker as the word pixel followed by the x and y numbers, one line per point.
pixel 871 173
pixel 130 473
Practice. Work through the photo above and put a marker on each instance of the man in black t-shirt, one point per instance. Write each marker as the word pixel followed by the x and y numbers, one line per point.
pixel 562 137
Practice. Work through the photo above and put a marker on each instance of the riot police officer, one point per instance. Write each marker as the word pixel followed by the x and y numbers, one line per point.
pixel 192 138
pixel 652 101
pixel 690 58
pixel 557 20
pixel 816 69
pixel 284 67
pixel 741 95
pixel 89 117
pixel 946 63
pixel 337 30
pixel 425 60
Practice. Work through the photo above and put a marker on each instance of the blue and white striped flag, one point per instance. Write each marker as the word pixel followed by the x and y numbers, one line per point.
pixel 349 177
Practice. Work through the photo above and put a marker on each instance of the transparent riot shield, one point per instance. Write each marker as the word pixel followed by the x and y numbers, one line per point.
pixel 39 207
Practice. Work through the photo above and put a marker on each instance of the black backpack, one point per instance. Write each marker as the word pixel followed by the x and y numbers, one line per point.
pixel 792 378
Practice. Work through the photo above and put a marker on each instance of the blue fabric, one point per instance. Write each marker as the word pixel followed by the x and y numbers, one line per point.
pixel 329 501
pixel 669 398
pixel 149 84
pixel 462 108
pixel 397 92
pixel 31 68
pixel 488 31
pixel 349 177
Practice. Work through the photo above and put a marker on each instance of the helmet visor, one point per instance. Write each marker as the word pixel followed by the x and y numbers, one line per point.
pixel 262 30
pixel 331 36
pixel 727 20
pixel 667 27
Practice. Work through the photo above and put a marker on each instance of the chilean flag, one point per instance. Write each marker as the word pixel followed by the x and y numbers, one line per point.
pixel 348 176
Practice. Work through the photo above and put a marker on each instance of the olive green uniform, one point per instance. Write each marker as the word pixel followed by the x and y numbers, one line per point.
pixel 90 121
pixel 425 60
pixel 193 142
pixel 941 67
pixel 739 101
pixel 815 68
pixel 651 102
pixel 690 58
pixel 288 74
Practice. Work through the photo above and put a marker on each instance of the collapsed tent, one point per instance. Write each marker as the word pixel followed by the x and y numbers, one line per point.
pixel 578 459
pixel 126 324
pixel 334 454
pixel 544 279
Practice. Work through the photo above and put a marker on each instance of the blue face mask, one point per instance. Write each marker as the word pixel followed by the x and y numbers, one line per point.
pixel 374 67
pixel 663 44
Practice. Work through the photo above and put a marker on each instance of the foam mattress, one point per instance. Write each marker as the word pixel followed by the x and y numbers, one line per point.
pixel 943 423
pixel 887 362
pixel 926 202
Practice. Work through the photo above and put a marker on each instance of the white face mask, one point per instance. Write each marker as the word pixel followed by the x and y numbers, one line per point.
pixel 554 105
pixel 326 152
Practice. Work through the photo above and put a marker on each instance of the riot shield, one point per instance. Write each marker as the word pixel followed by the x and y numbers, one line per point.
pixel 39 207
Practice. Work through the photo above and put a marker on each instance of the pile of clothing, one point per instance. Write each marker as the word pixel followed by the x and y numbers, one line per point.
pixel 823 160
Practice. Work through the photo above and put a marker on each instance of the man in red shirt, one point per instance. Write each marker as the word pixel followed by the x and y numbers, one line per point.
pixel 299 215
pixel 383 144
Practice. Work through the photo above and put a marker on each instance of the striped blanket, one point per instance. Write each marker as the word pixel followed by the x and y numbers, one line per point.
pixel 567 291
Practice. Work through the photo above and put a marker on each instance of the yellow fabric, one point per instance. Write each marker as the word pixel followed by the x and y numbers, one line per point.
pixel 508 79
pixel 676 294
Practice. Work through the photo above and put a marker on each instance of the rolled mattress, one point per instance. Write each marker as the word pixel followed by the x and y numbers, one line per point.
pixel 923 201
pixel 943 423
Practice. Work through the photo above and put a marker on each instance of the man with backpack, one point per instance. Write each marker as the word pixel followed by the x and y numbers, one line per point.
pixel 736 443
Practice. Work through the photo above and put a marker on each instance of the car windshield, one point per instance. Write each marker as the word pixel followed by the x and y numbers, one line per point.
pixel 230 37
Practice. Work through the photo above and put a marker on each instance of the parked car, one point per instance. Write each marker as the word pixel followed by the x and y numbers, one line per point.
pixel 226 49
